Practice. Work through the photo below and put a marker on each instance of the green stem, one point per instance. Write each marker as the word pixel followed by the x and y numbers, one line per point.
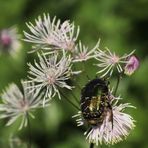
pixel 91 145
pixel 83 66
pixel 29 132
pixel 117 84
pixel 84 71
pixel 78 85
pixel 69 101
pixel 76 99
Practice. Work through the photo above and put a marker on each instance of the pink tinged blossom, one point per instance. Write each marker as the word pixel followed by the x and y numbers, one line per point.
pixel 83 53
pixel 5 39
pixel 51 74
pixel 9 41
pixel 132 65
pixel 51 34
pixel 108 62
pixel 17 104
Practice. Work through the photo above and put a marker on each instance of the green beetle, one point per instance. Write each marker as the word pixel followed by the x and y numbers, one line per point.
pixel 95 101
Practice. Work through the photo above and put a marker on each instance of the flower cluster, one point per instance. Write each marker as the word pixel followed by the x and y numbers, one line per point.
pixel 58 51
pixel 53 35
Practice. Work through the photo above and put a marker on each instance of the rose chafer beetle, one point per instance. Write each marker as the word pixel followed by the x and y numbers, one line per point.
pixel 95 101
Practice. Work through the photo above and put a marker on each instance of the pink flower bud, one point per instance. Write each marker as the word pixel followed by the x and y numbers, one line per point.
pixel 132 65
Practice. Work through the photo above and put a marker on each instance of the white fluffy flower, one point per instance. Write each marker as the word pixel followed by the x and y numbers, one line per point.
pixel 82 53
pixel 52 34
pixel 108 132
pixel 16 104
pixel 50 74
pixel 108 62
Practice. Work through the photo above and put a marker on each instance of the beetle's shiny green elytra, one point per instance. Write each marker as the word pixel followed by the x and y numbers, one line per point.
pixel 94 100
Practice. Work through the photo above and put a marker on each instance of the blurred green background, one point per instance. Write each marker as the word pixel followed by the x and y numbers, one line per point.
pixel 122 27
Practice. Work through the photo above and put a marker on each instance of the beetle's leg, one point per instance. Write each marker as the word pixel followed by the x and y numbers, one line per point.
pixel 111 111
pixel 112 118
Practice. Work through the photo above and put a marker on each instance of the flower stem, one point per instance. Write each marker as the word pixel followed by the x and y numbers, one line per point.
pixel 76 99
pixel 117 84
pixel 84 70
pixel 69 101
pixel 78 85
pixel 29 132
pixel 91 145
